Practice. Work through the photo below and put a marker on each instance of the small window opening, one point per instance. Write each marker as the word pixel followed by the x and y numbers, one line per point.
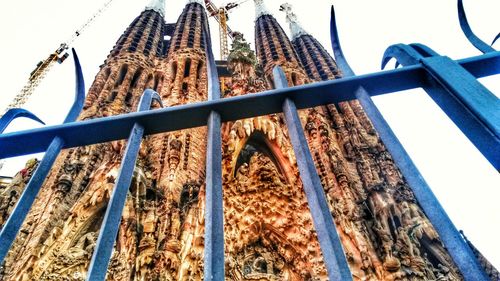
pixel 187 68
pixel 123 73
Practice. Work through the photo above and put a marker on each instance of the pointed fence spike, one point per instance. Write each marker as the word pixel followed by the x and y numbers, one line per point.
pixel 337 49
pixel 79 91
pixel 498 36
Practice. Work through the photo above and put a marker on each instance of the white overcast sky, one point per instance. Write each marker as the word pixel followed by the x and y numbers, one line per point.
pixel 465 183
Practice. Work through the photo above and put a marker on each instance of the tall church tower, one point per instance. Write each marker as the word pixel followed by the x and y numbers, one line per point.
pixel 268 229
pixel 177 159
pixel 384 232
pixel 59 234
pixel 130 67
pixel 273 47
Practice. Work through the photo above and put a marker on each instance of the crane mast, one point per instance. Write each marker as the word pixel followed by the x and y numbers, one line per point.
pixel 223 34
pixel 221 16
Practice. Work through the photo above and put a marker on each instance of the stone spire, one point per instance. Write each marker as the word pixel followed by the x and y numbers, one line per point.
pixel 273 46
pixel 295 27
pixel 260 9
pixel 196 1
pixel 157 5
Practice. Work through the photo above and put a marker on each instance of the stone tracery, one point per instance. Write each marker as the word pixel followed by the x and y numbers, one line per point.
pixel 269 233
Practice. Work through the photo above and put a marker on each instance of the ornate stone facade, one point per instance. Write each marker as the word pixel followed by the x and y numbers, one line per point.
pixel 57 239
pixel 269 234
pixel 385 234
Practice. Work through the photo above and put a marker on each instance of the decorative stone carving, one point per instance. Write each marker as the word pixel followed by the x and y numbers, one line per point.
pixel 269 233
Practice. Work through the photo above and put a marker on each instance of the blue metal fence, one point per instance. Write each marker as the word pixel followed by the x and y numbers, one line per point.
pixel 452 84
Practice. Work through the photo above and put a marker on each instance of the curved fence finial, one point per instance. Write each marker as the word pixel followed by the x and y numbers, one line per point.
pixel 148 97
pixel 407 54
pixel 337 49
pixel 464 24
pixel 404 55
pixel 14 113
pixel 79 91
pixel 498 36
pixel 424 50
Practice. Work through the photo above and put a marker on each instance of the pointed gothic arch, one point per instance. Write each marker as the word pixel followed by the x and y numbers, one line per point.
pixel 259 142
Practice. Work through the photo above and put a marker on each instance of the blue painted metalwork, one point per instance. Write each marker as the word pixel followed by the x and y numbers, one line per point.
pixel 14 113
pixel 464 24
pixel 496 38
pixel 460 252
pixel 471 106
pixel 111 223
pixel 405 55
pixel 423 50
pixel 251 105
pixel 195 115
pixel 23 205
pixel 427 69
pixel 79 91
pixel 337 49
pixel 214 216
pixel 331 246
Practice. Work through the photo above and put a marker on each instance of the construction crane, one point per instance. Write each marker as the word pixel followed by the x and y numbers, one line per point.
pixel 43 67
pixel 221 16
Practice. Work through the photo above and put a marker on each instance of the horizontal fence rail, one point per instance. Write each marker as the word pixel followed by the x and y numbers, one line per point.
pixel 196 114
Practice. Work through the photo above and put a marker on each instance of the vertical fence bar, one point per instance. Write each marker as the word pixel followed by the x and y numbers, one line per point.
pixel 214 227
pixel 112 218
pixel 331 247
pixel 214 216
pixel 18 215
pixel 111 223
pixel 23 205
pixel 458 249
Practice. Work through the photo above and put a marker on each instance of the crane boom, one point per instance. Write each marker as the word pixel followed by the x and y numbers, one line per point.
pixel 88 23
pixel 220 15
pixel 43 67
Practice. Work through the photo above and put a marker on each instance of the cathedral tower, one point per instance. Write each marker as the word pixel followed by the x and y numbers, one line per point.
pixel 273 47
pixel 384 232
pixel 268 229
pixel 130 67
pixel 186 61
pixel 58 235
pixel 177 159
pixel 319 65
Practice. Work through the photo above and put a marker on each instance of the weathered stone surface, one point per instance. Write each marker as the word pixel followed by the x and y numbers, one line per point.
pixel 385 234
pixel 11 189
pixel 269 234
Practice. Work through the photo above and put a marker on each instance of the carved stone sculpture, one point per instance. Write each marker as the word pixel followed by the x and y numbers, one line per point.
pixel 268 229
